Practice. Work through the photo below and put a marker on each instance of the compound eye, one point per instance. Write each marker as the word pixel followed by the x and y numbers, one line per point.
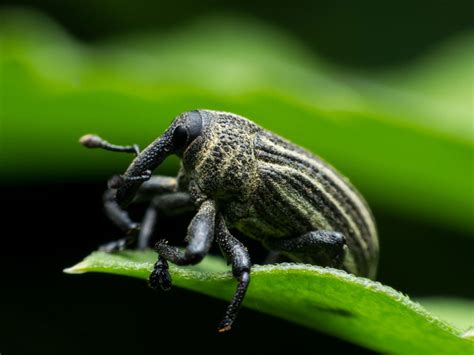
pixel 180 137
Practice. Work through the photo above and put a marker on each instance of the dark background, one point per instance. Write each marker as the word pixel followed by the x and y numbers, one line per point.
pixel 46 311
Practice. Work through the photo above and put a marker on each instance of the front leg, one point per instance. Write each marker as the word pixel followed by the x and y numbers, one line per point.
pixel 199 237
pixel 156 185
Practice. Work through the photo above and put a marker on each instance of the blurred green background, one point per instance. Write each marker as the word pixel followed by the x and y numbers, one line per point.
pixel 382 91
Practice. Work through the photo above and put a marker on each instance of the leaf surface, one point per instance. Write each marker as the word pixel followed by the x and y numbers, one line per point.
pixel 355 309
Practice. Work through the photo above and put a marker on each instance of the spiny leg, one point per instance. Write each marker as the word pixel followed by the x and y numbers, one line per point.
pixel 325 248
pixel 199 237
pixel 237 255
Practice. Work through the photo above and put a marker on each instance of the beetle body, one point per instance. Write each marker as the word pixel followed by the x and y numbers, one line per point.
pixel 238 175
pixel 267 187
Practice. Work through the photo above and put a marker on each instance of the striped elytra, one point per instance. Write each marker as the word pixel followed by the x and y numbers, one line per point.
pixel 268 187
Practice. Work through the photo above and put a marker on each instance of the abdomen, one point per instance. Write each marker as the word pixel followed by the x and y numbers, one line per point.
pixel 298 192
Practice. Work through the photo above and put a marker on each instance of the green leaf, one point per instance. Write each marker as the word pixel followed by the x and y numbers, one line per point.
pixel 355 309
pixel 409 153
pixel 459 312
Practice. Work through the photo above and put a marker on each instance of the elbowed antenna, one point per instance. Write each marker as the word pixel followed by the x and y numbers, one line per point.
pixel 142 166
pixel 94 141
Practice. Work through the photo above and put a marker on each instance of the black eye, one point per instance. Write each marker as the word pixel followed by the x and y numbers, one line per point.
pixel 180 137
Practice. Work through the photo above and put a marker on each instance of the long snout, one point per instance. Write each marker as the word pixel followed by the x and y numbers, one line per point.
pixel 148 160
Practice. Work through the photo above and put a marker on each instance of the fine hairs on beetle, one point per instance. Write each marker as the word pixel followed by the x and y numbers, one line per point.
pixel 236 175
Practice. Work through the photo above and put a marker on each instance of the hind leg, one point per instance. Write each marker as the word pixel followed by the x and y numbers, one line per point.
pixel 325 248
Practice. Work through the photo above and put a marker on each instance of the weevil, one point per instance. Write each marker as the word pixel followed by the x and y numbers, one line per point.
pixel 238 176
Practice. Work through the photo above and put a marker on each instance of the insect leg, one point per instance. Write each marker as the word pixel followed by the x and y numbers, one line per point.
pixel 237 255
pixel 174 202
pixel 156 185
pixel 325 248
pixel 199 237
pixel 149 189
pixel 122 220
